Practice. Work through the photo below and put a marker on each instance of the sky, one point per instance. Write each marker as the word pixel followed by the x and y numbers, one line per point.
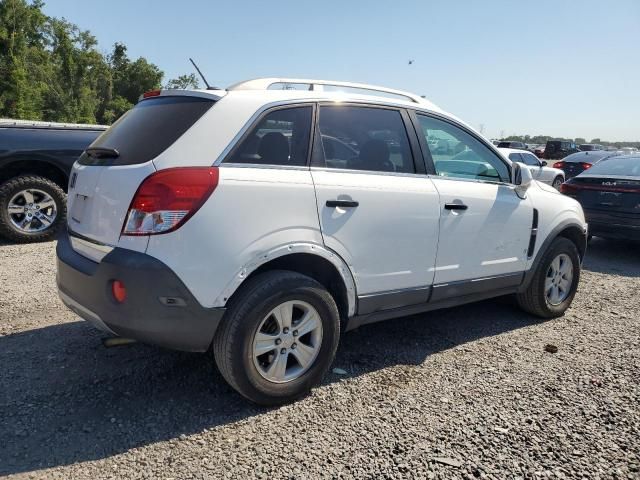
pixel 567 68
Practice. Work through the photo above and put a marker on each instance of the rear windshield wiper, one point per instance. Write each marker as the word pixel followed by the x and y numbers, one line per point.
pixel 101 152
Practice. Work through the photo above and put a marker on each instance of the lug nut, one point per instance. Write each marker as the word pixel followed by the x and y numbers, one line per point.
pixel 295 333
pixel 283 351
pixel 285 330
pixel 294 346
pixel 278 341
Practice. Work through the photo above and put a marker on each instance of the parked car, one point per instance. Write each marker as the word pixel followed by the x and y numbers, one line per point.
pixel 628 150
pixel 590 147
pixel 35 161
pixel 610 196
pixel 516 145
pixel 557 149
pixel 190 228
pixel 539 151
pixel 577 163
pixel 539 169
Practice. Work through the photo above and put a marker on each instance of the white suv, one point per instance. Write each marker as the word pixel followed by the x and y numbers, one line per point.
pixel 264 219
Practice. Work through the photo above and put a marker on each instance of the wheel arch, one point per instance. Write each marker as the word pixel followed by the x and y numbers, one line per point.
pixel 39 167
pixel 315 261
pixel 569 229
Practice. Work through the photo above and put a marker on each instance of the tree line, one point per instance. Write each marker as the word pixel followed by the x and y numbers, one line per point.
pixel 52 70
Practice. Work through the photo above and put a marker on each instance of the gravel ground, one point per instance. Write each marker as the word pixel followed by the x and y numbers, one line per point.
pixel 463 393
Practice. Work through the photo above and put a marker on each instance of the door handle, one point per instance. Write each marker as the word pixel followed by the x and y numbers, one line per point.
pixel 342 203
pixel 455 206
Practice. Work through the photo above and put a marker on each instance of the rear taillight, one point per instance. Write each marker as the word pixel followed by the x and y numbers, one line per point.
pixel 568 188
pixel 167 199
pixel 586 165
pixel 558 165
pixel 151 93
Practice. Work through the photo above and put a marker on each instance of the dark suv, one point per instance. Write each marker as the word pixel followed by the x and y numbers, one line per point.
pixel 516 145
pixel 558 149
pixel 35 162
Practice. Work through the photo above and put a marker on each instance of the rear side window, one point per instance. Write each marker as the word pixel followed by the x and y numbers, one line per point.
pixel 515 157
pixel 365 138
pixel 281 137
pixel 530 160
pixel 148 129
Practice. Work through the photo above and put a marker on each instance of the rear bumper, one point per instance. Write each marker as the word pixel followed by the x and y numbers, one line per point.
pixel 159 309
pixel 615 231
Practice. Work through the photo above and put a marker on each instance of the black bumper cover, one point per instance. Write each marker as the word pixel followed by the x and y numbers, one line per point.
pixel 159 309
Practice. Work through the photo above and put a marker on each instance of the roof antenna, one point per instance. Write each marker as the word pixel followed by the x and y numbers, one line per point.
pixel 209 87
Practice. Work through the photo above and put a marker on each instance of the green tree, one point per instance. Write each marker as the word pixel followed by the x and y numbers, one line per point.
pixel 184 82
pixel 50 69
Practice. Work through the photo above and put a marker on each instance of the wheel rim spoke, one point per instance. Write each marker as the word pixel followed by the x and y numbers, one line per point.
pixel 278 367
pixel 264 343
pixel 46 203
pixel 45 220
pixel 15 209
pixel 28 196
pixel 307 324
pixel 304 354
pixel 283 315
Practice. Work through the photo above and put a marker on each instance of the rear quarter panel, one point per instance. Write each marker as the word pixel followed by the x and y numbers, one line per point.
pixel 252 211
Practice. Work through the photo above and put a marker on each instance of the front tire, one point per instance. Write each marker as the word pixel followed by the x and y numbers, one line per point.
pixel 555 281
pixel 32 209
pixel 557 182
pixel 278 337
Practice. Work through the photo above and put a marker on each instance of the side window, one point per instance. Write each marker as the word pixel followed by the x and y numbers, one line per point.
pixel 530 160
pixel 515 157
pixel 456 153
pixel 365 138
pixel 280 138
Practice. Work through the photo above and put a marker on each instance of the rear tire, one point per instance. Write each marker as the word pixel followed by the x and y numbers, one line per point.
pixel 557 182
pixel 548 295
pixel 15 193
pixel 238 340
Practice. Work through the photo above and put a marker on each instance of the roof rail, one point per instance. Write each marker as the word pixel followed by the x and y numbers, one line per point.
pixel 10 122
pixel 317 85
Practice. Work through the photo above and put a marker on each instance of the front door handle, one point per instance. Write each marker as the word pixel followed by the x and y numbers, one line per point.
pixel 455 206
pixel 342 203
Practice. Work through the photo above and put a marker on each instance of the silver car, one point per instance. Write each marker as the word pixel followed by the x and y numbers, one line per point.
pixel 539 169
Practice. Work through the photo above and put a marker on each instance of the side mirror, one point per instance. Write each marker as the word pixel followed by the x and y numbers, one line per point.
pixel 544 163
pixel 522 179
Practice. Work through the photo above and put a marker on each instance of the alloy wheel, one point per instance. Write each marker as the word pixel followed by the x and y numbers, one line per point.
pixel 287 341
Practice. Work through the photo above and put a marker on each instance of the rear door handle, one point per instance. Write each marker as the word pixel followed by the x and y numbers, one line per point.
pixel 455 206
pixel 342 203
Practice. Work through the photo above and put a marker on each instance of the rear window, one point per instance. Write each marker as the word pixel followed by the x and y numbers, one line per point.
pixel 629 166
pixel 148 129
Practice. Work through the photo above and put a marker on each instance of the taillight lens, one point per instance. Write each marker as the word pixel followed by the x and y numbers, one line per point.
pixel 167 199
pixel 558 165
pixel 585 165
pixel 568 188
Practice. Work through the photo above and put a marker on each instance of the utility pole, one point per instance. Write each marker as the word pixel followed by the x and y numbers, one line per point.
pixel 482 128
pixel 501 134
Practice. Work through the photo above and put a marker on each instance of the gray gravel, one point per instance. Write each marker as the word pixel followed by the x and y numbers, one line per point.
pixel 469 392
